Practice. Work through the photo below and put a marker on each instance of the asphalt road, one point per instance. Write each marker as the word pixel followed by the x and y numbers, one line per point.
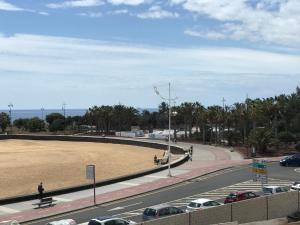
pixel 132 207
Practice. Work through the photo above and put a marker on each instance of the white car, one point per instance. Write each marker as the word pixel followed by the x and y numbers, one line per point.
pixel 110 221
pixel 296 186
pixel 63 222
pixel 201 203
pixel 268 190
pixel 9 222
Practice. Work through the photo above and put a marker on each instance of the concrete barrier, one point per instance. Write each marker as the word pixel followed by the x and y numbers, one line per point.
pixel 111 140
pixel 250 210
pixel 280 221
pixel 214 215
pixel 180 219
pixel 283 204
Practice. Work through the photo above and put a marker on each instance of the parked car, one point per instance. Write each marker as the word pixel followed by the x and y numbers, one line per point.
pixel 110 221
pixel 296 185
pixel 63 222
pixel 291 160
pixel 240 196
pixel 267 190
pixel 201 203
pixel 160 211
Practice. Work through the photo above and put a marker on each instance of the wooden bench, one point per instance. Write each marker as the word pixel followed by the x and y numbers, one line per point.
pixel 45 201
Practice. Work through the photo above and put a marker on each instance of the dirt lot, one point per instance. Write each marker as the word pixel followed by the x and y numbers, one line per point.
pixel 24 163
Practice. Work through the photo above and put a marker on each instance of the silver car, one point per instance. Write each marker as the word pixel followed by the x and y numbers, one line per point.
pixel 110 221
pixel 201 203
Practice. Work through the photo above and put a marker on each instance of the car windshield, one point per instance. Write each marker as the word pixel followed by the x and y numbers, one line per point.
pixel 149 212
pixel 232 195
pixel 267 190
pixel 194 205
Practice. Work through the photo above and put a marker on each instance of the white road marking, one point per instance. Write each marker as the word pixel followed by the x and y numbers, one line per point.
pixel 62 199
pixel 123 207
pixel 134 214
pixel 8 210
pixel 160 177
pixel 129 184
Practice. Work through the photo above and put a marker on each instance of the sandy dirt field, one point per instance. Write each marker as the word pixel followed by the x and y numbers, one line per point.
pixel 58 164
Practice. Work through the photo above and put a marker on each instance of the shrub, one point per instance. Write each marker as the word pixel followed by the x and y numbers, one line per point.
pixel 286 137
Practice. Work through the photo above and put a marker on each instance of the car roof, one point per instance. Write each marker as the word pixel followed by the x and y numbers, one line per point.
pixel 239 192
pixel 159 206
pixel 201 200
pixel 105 218
pixel 63 222
pixel 271 186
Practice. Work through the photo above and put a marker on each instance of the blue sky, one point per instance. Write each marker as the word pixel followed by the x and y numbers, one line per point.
pixel 94 52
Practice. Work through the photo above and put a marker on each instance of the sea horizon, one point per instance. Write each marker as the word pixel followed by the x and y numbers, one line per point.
pixel 30 113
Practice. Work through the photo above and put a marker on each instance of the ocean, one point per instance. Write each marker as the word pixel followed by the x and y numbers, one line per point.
pixel 29 113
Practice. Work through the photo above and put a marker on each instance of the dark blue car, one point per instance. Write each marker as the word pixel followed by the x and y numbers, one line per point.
pixel 291 160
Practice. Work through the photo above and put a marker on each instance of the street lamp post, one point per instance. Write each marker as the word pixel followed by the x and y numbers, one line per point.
pixel 10 111
pixel 169 139
pixel 42 109
pixel 64 111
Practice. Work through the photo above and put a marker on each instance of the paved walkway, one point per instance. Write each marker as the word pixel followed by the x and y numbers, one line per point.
pixel 206 159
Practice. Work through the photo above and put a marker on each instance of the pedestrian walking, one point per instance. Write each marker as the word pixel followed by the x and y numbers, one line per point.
pixel 41 190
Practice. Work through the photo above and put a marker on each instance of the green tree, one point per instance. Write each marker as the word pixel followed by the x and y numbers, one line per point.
pixel 21 123
pixel 35 124
pixel 4 121
pixel 260 138
pixel 57 125
pixel 54 116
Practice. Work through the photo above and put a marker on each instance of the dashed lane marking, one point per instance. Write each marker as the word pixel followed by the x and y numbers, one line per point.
pixel 129 184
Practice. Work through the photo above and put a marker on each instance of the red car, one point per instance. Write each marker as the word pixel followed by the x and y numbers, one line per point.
pixel 240 196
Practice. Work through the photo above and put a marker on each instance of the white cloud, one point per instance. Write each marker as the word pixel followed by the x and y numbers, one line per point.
pixel 75 4
pixel 8 6
pixel 269 21
pixel 84 72
pixel 155 12
pixel 127 2
pixel 208 35
pixel 176 2
pixel 91 14
pixel 44 13
pixel 118 12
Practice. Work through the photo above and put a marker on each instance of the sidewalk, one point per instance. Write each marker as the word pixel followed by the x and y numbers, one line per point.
pixel 206 159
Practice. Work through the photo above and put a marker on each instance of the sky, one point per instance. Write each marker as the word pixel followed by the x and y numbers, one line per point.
pixel 105 52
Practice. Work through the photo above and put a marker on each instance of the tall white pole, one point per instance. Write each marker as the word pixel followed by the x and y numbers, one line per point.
pixel 169 150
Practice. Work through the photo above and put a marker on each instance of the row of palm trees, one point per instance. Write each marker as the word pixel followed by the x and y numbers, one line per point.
pixel 275 119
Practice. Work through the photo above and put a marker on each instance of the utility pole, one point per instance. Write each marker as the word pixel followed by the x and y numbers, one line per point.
pixel 169 139
pixel 64 112
pixel 42 109
pixel 10 106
